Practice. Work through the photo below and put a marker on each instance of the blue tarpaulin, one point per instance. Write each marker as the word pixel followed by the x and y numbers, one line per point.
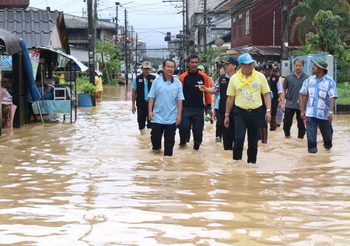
pixel 28 71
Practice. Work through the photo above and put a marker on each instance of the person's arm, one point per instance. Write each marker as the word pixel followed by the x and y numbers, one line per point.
pixel 331 107
pixel 303 98
pixel 133 100
pixel 133 96
pixel 302 104
pixel 179 112
pixel 267 100
pixel 205 89
pixel 212 90
pixel 213 113
pixel 207 84
pixel 150 108
pixel 228 109
pixel 280 92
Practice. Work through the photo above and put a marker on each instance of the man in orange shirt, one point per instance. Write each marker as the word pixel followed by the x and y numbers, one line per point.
pixel 193 105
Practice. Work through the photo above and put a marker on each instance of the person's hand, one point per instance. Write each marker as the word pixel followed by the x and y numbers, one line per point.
pixel 213 114
pixel 227 121
pixel 330 116
pixel 133 109
pixel 201 88
pixel 302 115
pixel 268 117
pixel 282 107
pixel 178 120
pixel 150 116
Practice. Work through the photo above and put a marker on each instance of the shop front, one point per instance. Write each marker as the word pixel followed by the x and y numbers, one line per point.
pixel 11 81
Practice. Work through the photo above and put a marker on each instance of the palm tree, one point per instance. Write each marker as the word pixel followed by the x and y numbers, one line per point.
pixel 302 16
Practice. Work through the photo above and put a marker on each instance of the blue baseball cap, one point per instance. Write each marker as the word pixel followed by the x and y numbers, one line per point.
pixel 245 59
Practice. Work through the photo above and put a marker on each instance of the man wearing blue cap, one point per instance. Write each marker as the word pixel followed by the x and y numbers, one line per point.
pixel 244 95
pixel 220 88
pixel 317 100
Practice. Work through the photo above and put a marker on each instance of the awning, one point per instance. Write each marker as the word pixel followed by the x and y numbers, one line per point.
pixel 63 60
pixel 10 42
pixel 259 50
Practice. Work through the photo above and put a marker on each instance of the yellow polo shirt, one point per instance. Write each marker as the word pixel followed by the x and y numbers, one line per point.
pixel 247 91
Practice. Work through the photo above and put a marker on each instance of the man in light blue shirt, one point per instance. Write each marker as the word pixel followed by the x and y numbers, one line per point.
pixel 165 108
pixel 317 100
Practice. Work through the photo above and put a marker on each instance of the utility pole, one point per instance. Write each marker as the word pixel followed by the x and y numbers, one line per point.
pixel 95 27
pixel 187 34
pixel 136 56
pixel 284 30
pixel 184 36
pixel 205 16
pixel 126 45
pixel 116 20
pixel 91 42
pixel 131 53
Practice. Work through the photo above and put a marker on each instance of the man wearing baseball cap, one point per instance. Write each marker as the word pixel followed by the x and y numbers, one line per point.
pixel 317 100
pixel 220 88
pixel 244 95
pixel 141 85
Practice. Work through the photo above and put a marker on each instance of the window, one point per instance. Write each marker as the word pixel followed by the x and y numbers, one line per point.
pixel 247 23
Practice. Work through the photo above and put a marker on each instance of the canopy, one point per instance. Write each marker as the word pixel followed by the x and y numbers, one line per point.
pixel 63 59
pixel 10 41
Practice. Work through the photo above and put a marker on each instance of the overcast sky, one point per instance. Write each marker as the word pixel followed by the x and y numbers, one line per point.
pixel 150 18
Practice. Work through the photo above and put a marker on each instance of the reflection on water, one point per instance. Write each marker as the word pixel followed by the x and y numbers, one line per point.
pixel 96 182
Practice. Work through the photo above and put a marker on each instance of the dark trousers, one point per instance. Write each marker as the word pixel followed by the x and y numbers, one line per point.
pixel 288 122
pixel 246 121
pixel 142 116
pixel 219 123
pixel 326 131
pixel 228 133
pixel 192 117
pixel 169 137
pixel 274 106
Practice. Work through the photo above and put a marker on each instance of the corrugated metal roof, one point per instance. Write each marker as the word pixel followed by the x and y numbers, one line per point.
pixel 33 26
pixel 77 22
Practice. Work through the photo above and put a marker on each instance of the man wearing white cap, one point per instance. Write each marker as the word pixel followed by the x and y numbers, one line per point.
pixel 244 95
pixel 141 85
pixel 317 100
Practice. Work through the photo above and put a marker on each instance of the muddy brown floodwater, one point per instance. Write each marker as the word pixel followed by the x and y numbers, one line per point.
pixel 97 182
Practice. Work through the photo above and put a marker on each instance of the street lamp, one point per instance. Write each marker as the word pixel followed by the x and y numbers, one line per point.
pixel 117 4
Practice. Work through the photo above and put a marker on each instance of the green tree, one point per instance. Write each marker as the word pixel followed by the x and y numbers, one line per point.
pixel 210 59
pixel 110 58
pixel 303 16
pixel 326 38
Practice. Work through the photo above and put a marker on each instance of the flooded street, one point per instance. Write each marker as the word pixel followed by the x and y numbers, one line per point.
pixel 97 182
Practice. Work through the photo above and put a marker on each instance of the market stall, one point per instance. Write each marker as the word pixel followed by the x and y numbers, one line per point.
pixel 9 49
pixel 56 73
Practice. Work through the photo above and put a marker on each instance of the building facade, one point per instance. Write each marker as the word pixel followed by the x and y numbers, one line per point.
pixel 256 26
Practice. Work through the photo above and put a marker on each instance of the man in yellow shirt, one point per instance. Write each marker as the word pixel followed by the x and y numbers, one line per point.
pixel 244 95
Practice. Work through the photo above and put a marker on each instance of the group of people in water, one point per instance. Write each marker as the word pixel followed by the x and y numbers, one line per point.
pixel 245 99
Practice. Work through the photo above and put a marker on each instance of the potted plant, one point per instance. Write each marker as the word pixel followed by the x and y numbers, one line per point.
pixel 85 92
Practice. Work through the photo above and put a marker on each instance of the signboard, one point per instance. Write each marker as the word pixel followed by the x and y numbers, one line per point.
pixel 35 60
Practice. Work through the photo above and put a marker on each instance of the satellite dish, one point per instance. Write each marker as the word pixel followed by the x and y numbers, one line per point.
pixel 219 42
